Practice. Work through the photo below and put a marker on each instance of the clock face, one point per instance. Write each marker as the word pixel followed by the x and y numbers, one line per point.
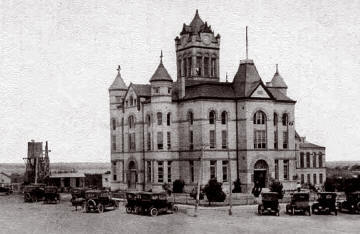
pixel 206 40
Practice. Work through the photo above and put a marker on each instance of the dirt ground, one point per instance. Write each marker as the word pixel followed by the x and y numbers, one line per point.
pixel 19 217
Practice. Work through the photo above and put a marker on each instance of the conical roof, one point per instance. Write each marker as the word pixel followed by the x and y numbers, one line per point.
pixel 161 74
pixel 196 23
pixel 277 81
pixel 118 83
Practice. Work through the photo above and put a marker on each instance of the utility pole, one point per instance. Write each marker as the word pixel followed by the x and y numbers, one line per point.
pixel 229 164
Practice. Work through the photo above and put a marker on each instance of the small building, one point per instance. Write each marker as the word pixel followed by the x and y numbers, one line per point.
pixel 68 179
pixel 5 178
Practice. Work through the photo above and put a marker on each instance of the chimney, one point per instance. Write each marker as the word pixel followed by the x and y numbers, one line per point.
pixel 182 86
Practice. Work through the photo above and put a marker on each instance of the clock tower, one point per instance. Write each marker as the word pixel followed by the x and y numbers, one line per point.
pixel 197 51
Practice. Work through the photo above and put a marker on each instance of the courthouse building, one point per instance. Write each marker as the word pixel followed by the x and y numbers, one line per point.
pixel 164 130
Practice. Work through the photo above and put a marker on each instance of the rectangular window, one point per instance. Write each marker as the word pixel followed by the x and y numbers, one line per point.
pixel 206 67
pixel 131 138
pixel 314 160
pixel 114 177
pixel 224 139
pixel 113 124
pixel 320 161
pixel 286 169
pixel 308 160
pixel 148 141
pixel 275 140
pixel 189 66
pixel 276 169
pixel 212 169
pixel 314 179
pixel 320 178
pixel 160 143
pixel 169 140
pixel 308 179
pixel 148 171
pixel 191 140
pixel 301 160
pixel 260 139
pixel 169 171
pixel 213 67
pixel 192 171
pixel 185 67
pixel 160 172
pixel 225 168
pixel 113 143
pixel 302 179
pixel 212 139
pixel 285 139
pixel 179 68
pixel 159 118
pixel 198 65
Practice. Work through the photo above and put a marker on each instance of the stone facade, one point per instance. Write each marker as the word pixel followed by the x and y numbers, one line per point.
pixel 165 130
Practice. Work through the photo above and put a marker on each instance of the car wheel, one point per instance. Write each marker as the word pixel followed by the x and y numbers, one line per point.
pixel 100 208
pixel 137 210
pixel 128 210
pixel 175 209
pixel 116 205
pixel 154 212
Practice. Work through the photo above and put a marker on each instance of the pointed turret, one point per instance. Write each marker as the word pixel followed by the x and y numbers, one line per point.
pixel 278 82
pixel 161 74
pixel 197 23
pixel 118 83
pixel 246 78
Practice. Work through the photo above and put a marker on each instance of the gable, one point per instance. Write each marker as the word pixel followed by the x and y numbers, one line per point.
pixel 260 92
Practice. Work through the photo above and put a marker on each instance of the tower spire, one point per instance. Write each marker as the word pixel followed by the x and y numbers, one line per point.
pixel 247 45
pixel 161 56
pixel 277 69
pixel 118 69
pixel 226 77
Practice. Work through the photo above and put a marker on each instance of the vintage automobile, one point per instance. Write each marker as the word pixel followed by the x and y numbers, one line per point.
pixel 99 200
pixel 325 204
pixel 78 196
pixel 34 192
pixel 352 203
pixel 150 203
pixel 299 203
pixel 51 195
pixel 131 202
pixel 6 190
pixel 270 204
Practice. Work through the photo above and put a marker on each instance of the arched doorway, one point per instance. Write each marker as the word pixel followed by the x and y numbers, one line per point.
pixel 261 172
pixel 132 175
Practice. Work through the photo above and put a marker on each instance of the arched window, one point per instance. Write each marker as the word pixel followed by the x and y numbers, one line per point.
pixel 191 118
pixel 320 160
pixel 148 120
pixel 159 118
pixel 131 121
pixel 131 100
pixel 275 119
pixel 223 117
pixel 212 117
pixel 113 123
pixel 259 117
pixel 168 119
pixel 285 119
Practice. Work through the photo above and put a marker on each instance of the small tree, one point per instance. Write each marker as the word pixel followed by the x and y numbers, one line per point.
pixel 237 186
pixel 178 186
pixel 330 185
pixel 214 192
pixel 277 187
pixel 193 193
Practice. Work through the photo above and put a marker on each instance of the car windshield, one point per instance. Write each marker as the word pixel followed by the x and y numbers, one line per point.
pixel 91 195
pixel 51 190
pixel 269 196
pixel 301 197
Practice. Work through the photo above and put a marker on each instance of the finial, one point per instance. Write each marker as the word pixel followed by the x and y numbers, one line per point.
pixel 226 77
pixel 197 12
pixel 161 56
pixel 247 46
pixel 277 69
pixel 118 69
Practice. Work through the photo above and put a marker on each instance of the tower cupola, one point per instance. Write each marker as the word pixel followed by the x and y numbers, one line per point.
pixel 278 82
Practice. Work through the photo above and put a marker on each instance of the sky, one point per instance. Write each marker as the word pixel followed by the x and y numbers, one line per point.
pixel 58 59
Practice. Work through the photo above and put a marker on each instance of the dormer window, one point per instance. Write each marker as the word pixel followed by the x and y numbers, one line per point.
pixel 169 90
pixel 131 100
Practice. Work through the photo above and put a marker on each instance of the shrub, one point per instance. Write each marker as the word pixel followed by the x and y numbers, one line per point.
pixel 167 188
pixel 178 186
pixel 214 192
pixel 237 186
pixel 330 185
pixel 277 187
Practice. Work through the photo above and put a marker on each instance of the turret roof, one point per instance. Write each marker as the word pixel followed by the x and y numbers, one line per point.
pixel 196 26
pixel 246 79
pixel 277 81
pixel 118 83
pixel 161 74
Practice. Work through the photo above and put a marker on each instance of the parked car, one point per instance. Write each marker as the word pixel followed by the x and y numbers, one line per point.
pixel 325 204
pixel 352 203
pixel 149 203
pixel 299 203
pixel 99 200
pixel 6 190
pixel 51 195
pixel 78 196
pixel 34 192
pixel 270 204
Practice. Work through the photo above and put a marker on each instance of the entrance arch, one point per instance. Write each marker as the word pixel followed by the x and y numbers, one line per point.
pixel 261 173
pixel 132 175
